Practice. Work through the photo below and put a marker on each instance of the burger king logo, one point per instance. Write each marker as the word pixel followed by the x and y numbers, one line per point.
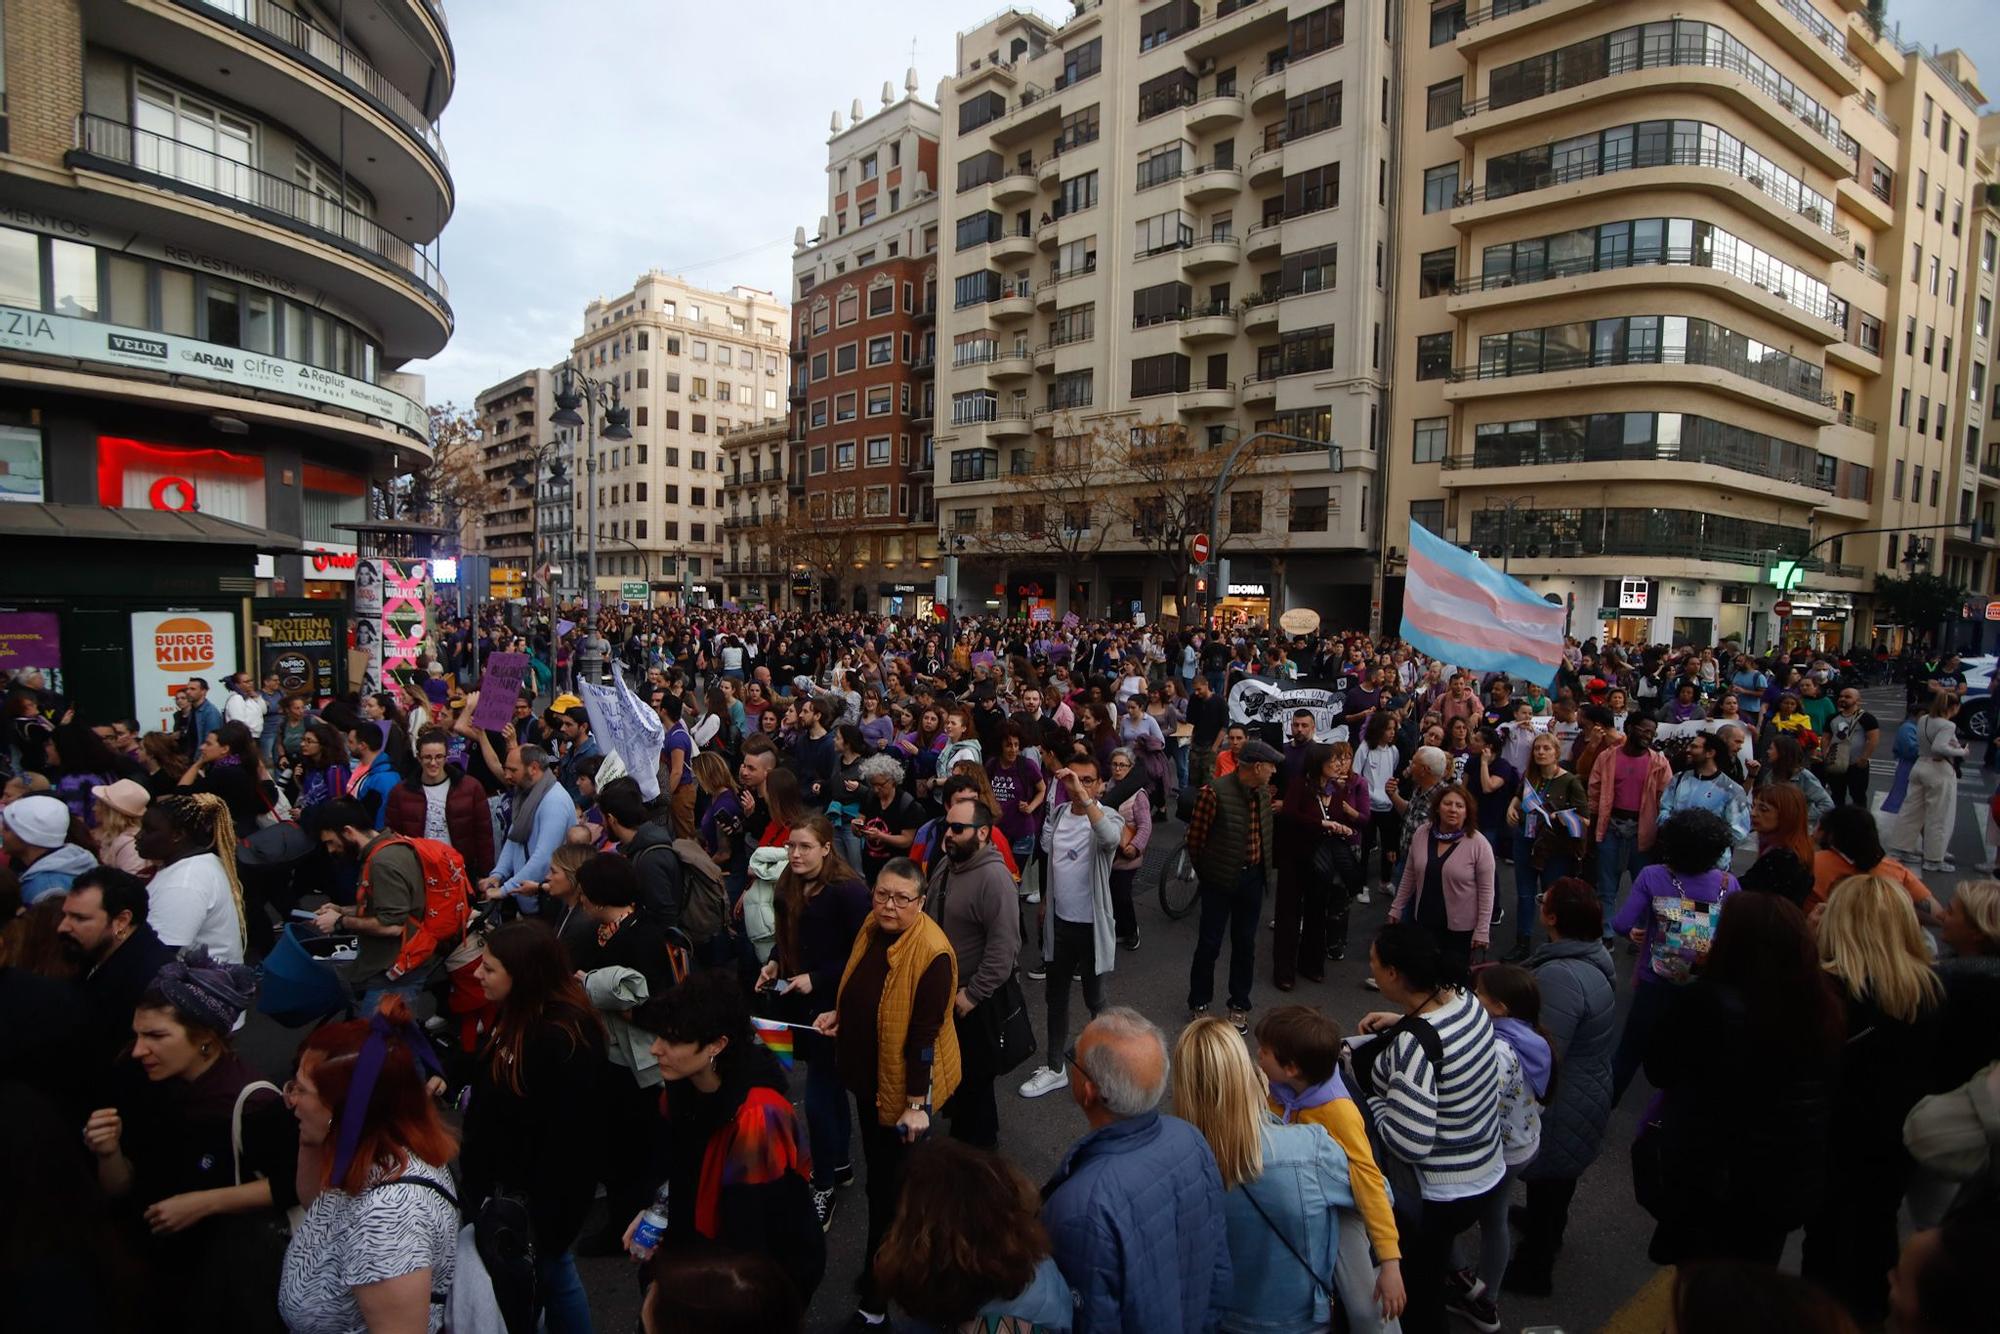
pixel 184 644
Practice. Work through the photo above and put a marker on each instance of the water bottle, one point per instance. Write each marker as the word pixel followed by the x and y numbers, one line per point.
pixel 653 1223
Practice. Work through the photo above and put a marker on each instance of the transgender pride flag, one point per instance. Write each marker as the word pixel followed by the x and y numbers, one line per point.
pixel 1461 610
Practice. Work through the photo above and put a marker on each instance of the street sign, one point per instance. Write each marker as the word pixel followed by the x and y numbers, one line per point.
pixel 1198 548
pixel 1781 609
pixel 633 590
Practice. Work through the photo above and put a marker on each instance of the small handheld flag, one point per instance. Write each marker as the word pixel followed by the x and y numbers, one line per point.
pixel 776 1037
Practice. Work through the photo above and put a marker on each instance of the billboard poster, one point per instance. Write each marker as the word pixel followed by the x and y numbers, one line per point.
pixel 405 621
pixel 367 623
pixel 31 640
pixel 168 647
pixel 297 647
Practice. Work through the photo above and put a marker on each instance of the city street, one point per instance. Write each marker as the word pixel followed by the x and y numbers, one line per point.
pixel 1603 1275
pixel 1603 1268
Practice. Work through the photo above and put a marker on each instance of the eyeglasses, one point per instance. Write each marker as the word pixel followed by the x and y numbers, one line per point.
pixel 958 827
pixel 295 1089
pixel 900 900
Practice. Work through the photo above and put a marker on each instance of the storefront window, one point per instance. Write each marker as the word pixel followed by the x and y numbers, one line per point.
pixel 20 270
pixel 74 268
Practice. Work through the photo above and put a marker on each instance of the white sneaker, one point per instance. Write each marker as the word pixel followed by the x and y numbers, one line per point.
pixel 1362 897
pixel 1035 897
pixel 1043 1081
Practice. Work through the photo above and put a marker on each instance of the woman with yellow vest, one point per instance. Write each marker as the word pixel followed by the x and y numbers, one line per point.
pixel 894 1044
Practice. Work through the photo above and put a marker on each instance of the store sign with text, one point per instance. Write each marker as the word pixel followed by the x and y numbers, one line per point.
pixel 87 340
pixel 168 647
pixel 145 475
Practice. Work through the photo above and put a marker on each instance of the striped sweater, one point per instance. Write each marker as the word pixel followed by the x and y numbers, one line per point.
pixel 1449 1127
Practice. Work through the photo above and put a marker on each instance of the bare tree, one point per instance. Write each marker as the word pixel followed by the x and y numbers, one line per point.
pixel 1060 500
pixel 1169 483
pixel 805 537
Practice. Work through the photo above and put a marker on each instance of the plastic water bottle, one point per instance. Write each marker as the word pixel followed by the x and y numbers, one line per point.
pixel 653 1223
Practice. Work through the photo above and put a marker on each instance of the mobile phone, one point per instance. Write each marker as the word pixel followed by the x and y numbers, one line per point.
pixel 781 985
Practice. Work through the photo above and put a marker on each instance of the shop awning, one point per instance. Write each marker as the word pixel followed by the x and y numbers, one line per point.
pixel 95 523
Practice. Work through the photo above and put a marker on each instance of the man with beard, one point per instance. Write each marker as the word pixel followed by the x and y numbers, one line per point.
pixel 971 896
pixel 392 886
pixel 104 929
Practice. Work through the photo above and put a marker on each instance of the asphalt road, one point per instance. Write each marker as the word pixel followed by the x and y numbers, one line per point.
pixel 1603 1267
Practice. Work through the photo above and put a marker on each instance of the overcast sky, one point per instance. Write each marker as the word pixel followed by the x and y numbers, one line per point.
pixel 579 167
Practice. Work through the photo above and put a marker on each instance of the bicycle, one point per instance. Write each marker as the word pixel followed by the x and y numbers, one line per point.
pixel 1180 888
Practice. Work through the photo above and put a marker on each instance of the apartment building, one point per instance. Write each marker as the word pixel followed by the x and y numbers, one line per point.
pixel 217 251
pixel 862 528
pixel 512 420
pixel 1166 225
pixel 1681 287
pixel 691 365
pixel 1973 553
pixel 755 571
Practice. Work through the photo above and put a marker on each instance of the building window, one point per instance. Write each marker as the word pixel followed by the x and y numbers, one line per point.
pixel 1433 356
pixel 1440 187
pixel 878 451
pixel 1443 103
pixel 1428 515
pixel 881 350
pixel 1437 270
pixel 880 400
pixel 1246 512
pixel 1432 439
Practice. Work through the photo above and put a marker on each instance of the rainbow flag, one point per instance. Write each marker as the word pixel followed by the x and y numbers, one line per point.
pixel 776 1037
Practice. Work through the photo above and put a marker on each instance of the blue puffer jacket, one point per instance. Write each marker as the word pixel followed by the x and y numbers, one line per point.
pixel 1579 988
pixel 1304 1181
pixel 1135 1217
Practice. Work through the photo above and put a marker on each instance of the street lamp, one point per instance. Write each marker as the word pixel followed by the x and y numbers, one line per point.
pixel 528 473
pixel 575 390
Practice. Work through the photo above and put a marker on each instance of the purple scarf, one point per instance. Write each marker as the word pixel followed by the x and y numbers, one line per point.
pixel 1304 1100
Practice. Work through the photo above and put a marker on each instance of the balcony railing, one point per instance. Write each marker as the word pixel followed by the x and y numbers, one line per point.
pixel 217 179
pixel 283 28
pixel 1856 422
pixel 1065 340
pixel 1212 309
pixel 1736 460
pixel 1182 387
pixel 1499 9
pixel 1826 126
pixel 1828 307
pixel 1675 156
pixel 1592 359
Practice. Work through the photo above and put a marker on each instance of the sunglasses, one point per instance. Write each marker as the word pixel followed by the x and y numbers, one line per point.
pixel 958 827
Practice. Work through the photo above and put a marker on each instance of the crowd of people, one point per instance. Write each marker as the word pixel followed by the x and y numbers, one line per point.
pixel 863 846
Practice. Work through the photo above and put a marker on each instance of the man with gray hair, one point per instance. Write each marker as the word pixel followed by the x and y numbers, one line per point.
pixel 1424 779
pixel 1134 1213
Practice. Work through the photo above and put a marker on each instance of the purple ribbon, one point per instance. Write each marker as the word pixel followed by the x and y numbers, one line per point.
pixel 367 1069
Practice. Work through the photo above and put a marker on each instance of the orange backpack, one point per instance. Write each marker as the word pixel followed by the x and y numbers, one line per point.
pixel 448 900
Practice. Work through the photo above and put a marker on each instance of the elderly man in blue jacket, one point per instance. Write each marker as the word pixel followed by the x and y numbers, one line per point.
pixel 1135 1212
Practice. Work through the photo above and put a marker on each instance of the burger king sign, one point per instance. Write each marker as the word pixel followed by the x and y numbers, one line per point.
pixel 168 647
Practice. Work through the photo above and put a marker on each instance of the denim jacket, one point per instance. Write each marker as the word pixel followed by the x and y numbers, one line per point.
pixel 1304 1182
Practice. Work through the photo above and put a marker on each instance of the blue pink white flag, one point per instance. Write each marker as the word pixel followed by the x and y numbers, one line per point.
pixel 1460 610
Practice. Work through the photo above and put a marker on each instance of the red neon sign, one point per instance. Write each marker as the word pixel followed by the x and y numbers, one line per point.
pixel 180 488
pixel 333 560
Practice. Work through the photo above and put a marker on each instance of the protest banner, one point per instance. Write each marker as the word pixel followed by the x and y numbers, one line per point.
pixel 1265 706
pixel 627 727
pixel 499 687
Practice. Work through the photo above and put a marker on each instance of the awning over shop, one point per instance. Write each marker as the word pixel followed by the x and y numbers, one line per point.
pixel 89 523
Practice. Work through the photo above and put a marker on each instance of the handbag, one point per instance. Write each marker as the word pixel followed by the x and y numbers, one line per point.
pixel 1012 1027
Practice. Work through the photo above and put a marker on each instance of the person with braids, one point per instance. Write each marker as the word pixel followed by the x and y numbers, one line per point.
pixel 379 1241
pixel 534 1085
pixel 196 1145
pixel 195 897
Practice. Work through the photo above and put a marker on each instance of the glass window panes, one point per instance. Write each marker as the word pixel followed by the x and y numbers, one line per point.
pixel 73 273
pixel 20 269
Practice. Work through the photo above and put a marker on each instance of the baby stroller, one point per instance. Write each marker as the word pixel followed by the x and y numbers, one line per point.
pixel 269 862
pixel 301 982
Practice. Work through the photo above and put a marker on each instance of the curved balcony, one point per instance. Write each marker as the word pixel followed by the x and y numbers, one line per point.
pixel 267 61
pixel 1707 463
pixel 1196 396
pixel 1740 378
pixel 1651 73
pixel 1008 424
pixel 1267 166
pixel 1209 324
pixel 1010 364
pixel 1264 240
pixel 1820 318
pixel 1046 237
pixel 1215 252
pixel 1013 245
pixel 1045 356
pixel 206 200
pixel 1260 314
pixel 1048 172
pixel 1214 111
pixel 1013 304
pixel 1015 187
pixel 1716 171
pixel 1259 389
pixel 1212 182
pixel 1267 90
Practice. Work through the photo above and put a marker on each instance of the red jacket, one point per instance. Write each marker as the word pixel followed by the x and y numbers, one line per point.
pixel 467 817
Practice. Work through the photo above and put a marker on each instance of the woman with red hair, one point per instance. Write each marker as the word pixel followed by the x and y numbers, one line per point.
pixel 381 1226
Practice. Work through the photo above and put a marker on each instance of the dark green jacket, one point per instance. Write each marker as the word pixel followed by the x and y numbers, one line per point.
pixel 1223 857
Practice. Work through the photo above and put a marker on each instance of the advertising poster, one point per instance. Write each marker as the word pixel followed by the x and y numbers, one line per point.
pixel 32 640
pixel 405 621
pixel 298 648
pixel 170 646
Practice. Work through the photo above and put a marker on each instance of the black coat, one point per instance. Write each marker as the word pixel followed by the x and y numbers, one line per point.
pixel 112 990
pixel 651 852
pixel 538 1142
